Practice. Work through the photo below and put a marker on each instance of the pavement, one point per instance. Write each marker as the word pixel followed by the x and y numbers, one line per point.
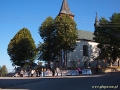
pixel 9 82
pixel 6 82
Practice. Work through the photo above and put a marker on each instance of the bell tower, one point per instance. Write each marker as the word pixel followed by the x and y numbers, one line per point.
pixel 65 9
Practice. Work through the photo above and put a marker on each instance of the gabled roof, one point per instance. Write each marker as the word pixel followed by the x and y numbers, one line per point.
pixel 85 35
pixel 65 8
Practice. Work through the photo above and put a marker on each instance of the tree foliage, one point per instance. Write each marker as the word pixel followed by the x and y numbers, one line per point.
pixel 3 70
pixel 46 31
pixel 107 34
pixel 22 47
pixel 57 34
pixel 66 32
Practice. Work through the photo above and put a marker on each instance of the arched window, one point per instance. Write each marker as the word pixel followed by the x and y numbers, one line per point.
pixel 85 50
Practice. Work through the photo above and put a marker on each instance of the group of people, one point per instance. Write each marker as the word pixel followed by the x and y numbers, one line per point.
pixel 29 73
pixel 37 72
pixel 55 70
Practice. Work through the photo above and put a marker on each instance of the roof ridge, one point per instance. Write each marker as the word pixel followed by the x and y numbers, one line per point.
pixel 86 31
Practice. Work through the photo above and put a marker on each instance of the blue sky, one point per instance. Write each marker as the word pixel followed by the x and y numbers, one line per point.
pixel 17 14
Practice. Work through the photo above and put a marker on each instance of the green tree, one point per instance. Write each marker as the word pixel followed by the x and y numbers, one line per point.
pixel 58 34
pixel 22 47
pixel 107 34
pixel 4 70
pixel 66 34
pixel 46 49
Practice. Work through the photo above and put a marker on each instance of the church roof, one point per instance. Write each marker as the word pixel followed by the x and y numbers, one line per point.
pixel 85 35
pixel 65 8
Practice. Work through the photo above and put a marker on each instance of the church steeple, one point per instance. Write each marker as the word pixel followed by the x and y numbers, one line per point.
pixel 96 21
pixel 65 9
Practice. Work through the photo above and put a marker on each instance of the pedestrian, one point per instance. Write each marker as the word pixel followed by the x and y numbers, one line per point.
pixel 21 73
pixel 53 72
pixel 42 70
pixel 44 73
pixel 25 73
pixel 39 72
pixel 79 71
pixel 57 70
pixel 29 72
pixel 32 72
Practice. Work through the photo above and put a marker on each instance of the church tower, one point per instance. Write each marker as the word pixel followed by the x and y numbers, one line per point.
pixel 96 24
pixel 65 9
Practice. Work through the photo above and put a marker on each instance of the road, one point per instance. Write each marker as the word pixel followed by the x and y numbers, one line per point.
pixel 109 81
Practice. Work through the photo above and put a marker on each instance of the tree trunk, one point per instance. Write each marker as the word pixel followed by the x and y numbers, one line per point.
pixel 60 59
pixel 49 65
pixel 118 63
pixel 65 58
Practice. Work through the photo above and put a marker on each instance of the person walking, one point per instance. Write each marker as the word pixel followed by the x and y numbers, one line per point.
pixel 79 71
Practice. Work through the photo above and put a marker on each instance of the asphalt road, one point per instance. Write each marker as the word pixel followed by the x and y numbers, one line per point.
pixel 109 81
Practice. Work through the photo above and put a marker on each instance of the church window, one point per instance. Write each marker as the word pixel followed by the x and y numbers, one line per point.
pixel 85 50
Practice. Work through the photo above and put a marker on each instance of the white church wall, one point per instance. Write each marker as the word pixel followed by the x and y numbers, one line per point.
pixel 77 54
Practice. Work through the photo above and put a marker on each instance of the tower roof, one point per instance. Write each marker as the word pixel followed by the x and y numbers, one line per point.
pixel 65 8
pixel 96 21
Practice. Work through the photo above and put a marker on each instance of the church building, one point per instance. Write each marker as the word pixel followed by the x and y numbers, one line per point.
pixel 86 49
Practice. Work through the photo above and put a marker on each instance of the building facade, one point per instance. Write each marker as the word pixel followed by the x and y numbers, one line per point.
pixel 86 50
